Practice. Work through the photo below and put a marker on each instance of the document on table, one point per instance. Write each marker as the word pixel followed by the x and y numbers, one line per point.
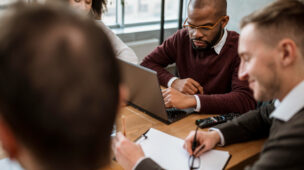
pixel 7 164
pixel 169 153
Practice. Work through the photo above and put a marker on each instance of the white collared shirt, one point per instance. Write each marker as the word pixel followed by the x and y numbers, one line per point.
pixel 217 48
pixel 291 104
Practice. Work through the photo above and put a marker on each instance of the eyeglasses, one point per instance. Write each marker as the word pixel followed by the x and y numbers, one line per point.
pixel 202 27
pixel 194 162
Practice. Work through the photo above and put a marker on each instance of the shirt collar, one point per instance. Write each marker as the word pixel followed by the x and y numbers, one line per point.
pixel 277 103
pixel 291 104
pixel 218 47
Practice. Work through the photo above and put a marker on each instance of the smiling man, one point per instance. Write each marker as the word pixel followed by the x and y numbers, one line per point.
pixel 272 60
pixel 206 58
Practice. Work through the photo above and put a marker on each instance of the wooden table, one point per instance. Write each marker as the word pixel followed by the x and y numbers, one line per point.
pixel 137 123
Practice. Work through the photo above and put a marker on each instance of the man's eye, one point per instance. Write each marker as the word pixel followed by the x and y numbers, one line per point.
pixel 205 28
pixel 246 59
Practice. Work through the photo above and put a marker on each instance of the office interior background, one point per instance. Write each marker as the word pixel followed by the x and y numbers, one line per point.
pixel 137 22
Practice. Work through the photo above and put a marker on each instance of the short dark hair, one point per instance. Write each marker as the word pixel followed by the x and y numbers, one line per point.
pixel 59 82
pixel 219 5
pixel 280 19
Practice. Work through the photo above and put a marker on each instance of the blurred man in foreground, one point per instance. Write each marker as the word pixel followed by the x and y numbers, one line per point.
pixel 58 89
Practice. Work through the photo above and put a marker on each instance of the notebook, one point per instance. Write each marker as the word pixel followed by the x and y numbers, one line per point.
pixel 169 153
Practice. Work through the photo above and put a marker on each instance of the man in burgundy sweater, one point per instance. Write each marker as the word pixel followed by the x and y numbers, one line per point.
pixel 207 62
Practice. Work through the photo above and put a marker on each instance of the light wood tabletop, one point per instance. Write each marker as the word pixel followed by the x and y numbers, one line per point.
pixel 138 122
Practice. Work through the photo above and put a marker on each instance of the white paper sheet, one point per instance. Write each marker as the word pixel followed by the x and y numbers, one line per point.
pixel 7 164
pixel 169 153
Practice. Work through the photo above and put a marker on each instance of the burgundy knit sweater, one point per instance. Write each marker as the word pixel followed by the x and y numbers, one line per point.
pixel 218 74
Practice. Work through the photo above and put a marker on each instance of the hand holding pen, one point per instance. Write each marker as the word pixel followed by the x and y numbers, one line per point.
pixel 196 147
pixel 126 152
pixel 198 142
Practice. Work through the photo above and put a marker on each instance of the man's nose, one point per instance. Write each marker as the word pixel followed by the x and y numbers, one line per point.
pixel 197 33
pixel 242 73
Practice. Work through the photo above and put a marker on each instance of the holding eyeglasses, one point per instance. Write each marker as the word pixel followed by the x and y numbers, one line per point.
pixel 198 142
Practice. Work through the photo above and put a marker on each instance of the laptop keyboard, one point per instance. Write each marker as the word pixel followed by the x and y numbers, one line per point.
pixel 175 114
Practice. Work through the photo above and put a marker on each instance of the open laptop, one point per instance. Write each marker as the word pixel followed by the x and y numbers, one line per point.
pixel 145 93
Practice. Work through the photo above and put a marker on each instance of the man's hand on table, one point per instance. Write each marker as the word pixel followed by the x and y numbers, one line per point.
pixel 187 86
pixel 174 98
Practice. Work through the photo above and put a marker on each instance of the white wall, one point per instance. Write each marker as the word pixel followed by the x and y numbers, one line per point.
pixel 237 9
pixel 143 48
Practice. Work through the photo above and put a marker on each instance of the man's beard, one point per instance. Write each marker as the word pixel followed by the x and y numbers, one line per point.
pixel 209 44
pixel 268 88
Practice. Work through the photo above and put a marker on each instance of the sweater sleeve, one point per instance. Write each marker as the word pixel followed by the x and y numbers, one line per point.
pixel 238 100
pixel 161 57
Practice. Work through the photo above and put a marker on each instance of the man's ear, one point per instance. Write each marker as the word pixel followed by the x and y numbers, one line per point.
pixel 288 52
pixel 225 21
pixel 8 139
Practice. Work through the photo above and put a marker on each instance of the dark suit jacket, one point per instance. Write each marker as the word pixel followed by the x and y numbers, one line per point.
pixel 148 164
pixel 284 148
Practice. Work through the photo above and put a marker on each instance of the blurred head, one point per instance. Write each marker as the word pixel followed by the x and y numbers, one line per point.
pixel 90 7
pixel 206 22
pixel 271 48
pixel 58 89
pixel 83 5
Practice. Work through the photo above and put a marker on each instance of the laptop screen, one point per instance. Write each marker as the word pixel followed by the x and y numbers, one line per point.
pixel 144 88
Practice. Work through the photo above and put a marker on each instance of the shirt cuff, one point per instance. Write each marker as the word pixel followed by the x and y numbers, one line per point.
pixel 198 103
pixel 138 162
pixel 171 81
pixel 222 142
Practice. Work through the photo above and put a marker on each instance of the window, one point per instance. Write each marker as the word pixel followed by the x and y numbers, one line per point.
pixel 4 4
pixel 139 11
pixel 110 16
pixel 122 13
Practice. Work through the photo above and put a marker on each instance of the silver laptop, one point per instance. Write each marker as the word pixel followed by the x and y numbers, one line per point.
pixel 145 93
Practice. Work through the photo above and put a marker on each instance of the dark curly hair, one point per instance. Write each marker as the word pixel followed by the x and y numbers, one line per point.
pixel 98 7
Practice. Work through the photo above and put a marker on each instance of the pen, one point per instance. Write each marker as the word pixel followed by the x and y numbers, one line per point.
pixel 194 142
pixel 123 121
pixel 200 149
pixel 145 134
pixel 194 145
